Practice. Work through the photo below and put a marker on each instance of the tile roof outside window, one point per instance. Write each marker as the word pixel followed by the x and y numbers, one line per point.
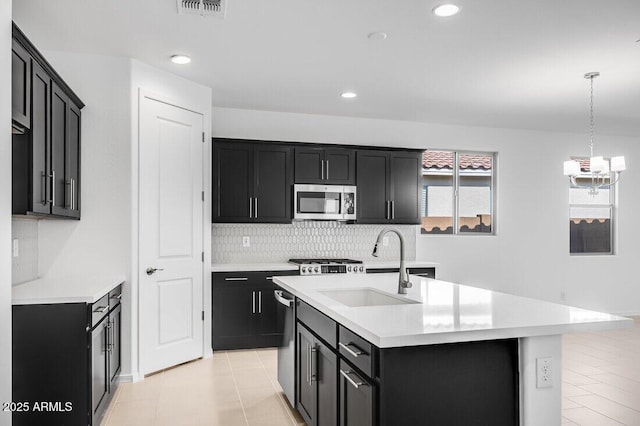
pixel 444 160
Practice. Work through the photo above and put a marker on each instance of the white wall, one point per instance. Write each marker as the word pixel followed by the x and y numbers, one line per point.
pixel 187 94
pixel 100 241
pixel 5 208
pixel 529 255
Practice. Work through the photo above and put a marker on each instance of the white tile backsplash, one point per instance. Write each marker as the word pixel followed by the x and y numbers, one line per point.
pixel 306 239
pixel 24 267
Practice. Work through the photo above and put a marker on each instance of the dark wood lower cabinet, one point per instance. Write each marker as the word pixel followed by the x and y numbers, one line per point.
pixel 245 312
pixel 316 380
pixel 357 397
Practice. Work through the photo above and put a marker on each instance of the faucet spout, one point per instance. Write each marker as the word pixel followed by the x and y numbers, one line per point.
pixel 403 280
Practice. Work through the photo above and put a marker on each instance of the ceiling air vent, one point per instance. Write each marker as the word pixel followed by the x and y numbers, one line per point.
pixel 203 7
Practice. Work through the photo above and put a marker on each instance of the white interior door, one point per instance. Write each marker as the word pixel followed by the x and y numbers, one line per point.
pixel 171 235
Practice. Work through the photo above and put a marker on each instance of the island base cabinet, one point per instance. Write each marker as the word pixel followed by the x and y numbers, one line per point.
pixel 357 398
pixel 317 380
pixel 456 384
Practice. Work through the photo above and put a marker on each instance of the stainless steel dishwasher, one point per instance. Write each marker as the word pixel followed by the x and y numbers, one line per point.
pixel 287 348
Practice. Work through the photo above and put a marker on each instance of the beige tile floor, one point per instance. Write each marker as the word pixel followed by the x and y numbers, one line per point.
pixel 601 386
pixel 601 378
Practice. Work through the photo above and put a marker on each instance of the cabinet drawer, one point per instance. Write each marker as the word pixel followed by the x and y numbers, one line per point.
pixel 99 310
pixel 356 350
pixel 321 324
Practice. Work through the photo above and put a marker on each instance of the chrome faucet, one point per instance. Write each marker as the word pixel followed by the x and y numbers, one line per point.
pixel 403 281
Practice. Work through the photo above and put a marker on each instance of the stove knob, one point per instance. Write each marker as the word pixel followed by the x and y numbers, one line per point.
pixel 303 269
pixel 348 268
pixel 361 268
pixel 315 269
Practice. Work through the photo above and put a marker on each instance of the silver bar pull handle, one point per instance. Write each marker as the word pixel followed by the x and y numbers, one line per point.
pixel 327 165
pixel 117 296
pixel 314 363
pixel 309 364
pixel 67 204
pixel 53 187
pixel 356 384
pixel 321 169
pixel 236 279
pixel 355 352
pixel 393 210
pixel 255 208
pixel 253 302
pixel 260 301
pixel 73 194
pixel 43 191
pixel 250 207
pixel 101 309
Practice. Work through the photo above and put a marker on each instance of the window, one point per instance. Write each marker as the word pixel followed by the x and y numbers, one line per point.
pixel 590 217
pixel 458 192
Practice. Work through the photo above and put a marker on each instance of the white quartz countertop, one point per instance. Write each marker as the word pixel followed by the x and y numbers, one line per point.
pixel 445 312
pixel 286 266
pixel 77 288
pixel 244 267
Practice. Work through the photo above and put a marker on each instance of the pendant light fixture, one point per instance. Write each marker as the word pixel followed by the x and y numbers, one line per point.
pixel 598 173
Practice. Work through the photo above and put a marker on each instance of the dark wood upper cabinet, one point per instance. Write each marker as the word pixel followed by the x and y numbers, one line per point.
pixel 20 87
pixel 46 153
pixel 252 182
pixel 388 186
pixel 322 165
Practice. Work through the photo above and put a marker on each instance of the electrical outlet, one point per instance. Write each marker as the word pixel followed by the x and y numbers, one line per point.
pixel 385 241
pixel 16 247
pixel 544 372
pixel 246 242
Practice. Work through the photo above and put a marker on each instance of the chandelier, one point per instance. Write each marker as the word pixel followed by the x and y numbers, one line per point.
pixel 600 173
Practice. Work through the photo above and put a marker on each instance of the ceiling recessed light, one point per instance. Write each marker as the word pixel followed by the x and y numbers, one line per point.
pixel 446 10
pixel 378 35
pixel 180 59
pixel 348 95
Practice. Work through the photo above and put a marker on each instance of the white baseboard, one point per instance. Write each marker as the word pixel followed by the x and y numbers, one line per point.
pixel 129 378
pixel 627 314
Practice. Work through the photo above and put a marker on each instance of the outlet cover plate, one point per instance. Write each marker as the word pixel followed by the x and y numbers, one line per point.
pixel 246 242
pixel 544 372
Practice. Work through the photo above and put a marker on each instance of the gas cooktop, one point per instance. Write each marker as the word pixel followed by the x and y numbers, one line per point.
pixel 328 266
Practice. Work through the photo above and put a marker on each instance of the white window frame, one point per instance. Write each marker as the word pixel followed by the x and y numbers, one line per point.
pixel 613 206
pixel 456 193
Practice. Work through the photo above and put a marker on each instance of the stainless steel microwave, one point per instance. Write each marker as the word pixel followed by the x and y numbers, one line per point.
pixel 324 202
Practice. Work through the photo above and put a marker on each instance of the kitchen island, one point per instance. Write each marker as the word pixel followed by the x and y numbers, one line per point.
pixel 442 354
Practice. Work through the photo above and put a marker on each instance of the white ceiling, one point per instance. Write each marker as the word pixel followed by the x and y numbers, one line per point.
pixel 504 63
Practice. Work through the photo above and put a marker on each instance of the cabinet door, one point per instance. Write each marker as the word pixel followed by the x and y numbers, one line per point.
pixel 340 165
pixel 273 180
pixel 99 377
pixel 324 363
pixel 373 201
pixel 72 177
pixel 115 348
pixel 270 324
pixel 232 182
pixel 40 141
pixel 356 398
pixel 307 389
pixel 234 308
pixel 309 165
pixel 405 172
pixel 20 86
pixel 60 104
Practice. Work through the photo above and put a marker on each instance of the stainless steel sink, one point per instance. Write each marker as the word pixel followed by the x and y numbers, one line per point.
pixel 365 297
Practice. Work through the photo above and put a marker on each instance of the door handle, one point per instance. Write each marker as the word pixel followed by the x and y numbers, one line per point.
pixel 53 187
pixel 151 271
pixel 250 207
pixel 327 166
pixel 393 210
pixel 314 363
pixel 255 208
pixel 355 352
pixel 253 302
pixel 321 169
pixel 44 189
pixel 260 301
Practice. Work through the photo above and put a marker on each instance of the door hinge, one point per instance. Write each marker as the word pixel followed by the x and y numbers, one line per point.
pixel 202 137
pixel 203 256
pixel 202 195
pixel 202 315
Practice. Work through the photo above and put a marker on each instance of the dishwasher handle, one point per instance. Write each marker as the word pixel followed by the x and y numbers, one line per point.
pixel 281 299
